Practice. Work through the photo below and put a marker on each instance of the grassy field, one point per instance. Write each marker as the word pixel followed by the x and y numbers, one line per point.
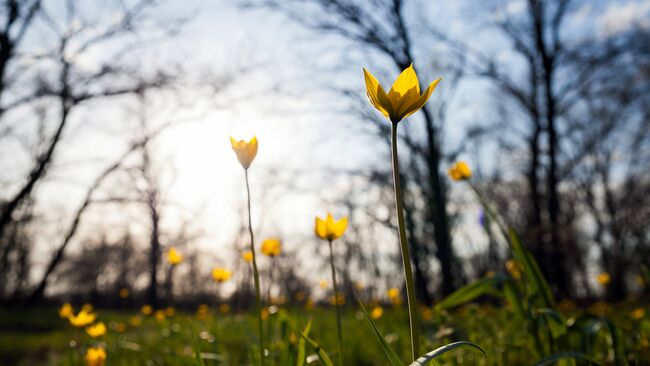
pixel 40 337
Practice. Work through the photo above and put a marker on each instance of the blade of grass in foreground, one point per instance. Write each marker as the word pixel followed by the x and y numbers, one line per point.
pixel 470 292
pixel 444 349
pixel 390 354
pixel 322 355
pixel 301 346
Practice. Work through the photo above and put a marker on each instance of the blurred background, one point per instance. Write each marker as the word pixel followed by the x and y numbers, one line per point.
pixel 115 118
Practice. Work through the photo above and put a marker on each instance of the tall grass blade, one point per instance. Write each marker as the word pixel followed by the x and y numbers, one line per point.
pixel 533 274
pixel 390 354
pixel 302 353
pixel 322 355
pixel 425 359
pixel 470 292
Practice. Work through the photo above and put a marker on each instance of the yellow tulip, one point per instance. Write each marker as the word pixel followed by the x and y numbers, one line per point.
pixel 146 310
pixel 323 284
pixel 221 274
pixel 96 330
pixel 245 151
pixel 170 311
pixel 514 268
pixel 403 98
pixel 95 356
pixel 66 310
pixel 393 293
pixel 271 247
pixel 329 229
pixel 174 257
pixel 82 319
pixel 460 171
pixel 124 293
pixel 135 321
pixel 247 256
pixel 637 314
pixel 603 279
pixel 376 312
pixel 159 315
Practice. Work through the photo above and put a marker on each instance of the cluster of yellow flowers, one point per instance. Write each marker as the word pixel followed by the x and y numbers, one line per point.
pixel 95 355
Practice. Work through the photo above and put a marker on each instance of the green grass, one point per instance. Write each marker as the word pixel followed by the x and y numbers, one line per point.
pixel 40 337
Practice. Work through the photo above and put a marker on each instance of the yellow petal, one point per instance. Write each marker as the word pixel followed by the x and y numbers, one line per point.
pixel 376 94
pixel 422 100
pixel 321 228
pixel 406 81
pixel 340 227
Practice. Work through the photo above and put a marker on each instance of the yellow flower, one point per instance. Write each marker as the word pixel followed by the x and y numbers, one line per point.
pixel 403 98
pixel 146 310
pixel 245 151
pixel 323 284
pixel 224 308
pixel 340 299
pixel 120 327
pixel 393 294
pixel 376 312
pixel 247 256
pixel 124 293
pixel 603 279
pixel 170 311
pixel 95 356
pixel 174 257
pixel 96 330
pixel 159 315
pixel 221 274
pixel 637 314
pixel 66 310
pixel 271 247
pixel 513 268
pixel 359 285
pixel 135 321
pixel 329 229
pixel 82 319
pixel 460 171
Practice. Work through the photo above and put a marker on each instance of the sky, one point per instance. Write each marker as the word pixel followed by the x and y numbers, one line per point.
pixel 277 98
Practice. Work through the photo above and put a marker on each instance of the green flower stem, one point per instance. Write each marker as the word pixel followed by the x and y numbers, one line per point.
pixel 336 303
pixel 406 258
pixel 256 275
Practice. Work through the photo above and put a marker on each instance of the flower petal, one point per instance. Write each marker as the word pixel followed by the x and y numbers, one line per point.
pixel 406 81
pixel 376 94
pixel 320 228
pixel 340 226
pixel 421 101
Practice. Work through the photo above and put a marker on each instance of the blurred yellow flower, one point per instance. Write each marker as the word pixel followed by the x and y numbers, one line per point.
pixel 637 314
pixel 376 312
pixel 514 268
pixel 460 171
pixel 324 284
pixel 340 299
pixel 120 327
pixel 221 274
pixel 359 285
pixel 96 330
pixel 135 321
pixel 300 296
pixel 247 256
pixel 245 151
pixel 170 311
pixel 403 98
pixel 393 294
pixel 124 293
pixel 174 257
pixel 265 313
pixel 87 307
pixel 66 310
pixel 329 229
pixel 224 308
pixel 146 310
pixel 603 279
pixel 95 356
pixel 82 319
pixel 271 247
pixel 159 315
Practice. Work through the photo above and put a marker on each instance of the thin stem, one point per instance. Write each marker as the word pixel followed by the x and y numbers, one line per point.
pixel 406 258
pixel 336 302
pixel 256 275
